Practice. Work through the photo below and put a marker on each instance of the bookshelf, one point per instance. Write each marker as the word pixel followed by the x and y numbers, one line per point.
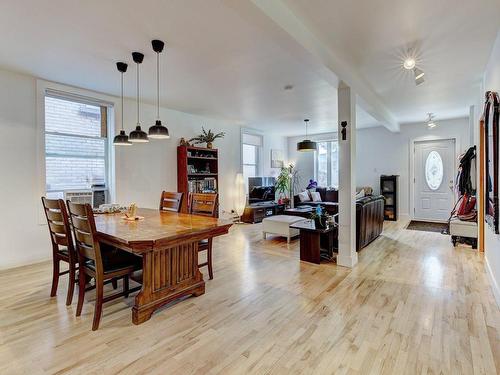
pixel 197 172
pixel 389 189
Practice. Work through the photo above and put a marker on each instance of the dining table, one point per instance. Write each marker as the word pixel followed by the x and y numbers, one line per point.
pixel 168 244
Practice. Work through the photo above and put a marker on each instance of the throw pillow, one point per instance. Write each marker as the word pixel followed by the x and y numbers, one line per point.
pixel 304 196
pixel 361 194
pixel 316 197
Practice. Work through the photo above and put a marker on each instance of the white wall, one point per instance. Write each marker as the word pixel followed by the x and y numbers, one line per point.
pixel 492 241
pixel 142 171
pixel 380 151
pixel 273 141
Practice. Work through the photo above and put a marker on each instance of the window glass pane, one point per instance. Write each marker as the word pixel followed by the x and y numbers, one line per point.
pixel 65 116
pixel 73 173
pixel 322 160
pixel 249 171
pixel 249 154
pixel 73 161
pixel 334 176
pixel 64 145
pixel 434 170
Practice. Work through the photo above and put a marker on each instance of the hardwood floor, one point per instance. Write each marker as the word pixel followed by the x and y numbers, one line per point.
pixel 413 305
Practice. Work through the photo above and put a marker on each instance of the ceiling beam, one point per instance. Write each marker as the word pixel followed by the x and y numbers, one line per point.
pixel 369 100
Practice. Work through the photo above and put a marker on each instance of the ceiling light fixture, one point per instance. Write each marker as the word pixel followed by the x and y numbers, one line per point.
pixel 306 145
pixel 430 121
pixel 419 76
pixel 158 131
pixel 122 138
pixel 138 135
pixel 409 63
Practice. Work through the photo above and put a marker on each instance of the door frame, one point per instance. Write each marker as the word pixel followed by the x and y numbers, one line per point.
pixel 412 166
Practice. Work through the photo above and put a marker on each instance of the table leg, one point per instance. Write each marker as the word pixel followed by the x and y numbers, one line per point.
pixel 310 247
pixel 167 274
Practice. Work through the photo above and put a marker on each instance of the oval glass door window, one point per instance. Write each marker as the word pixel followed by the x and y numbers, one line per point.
pixel 434 170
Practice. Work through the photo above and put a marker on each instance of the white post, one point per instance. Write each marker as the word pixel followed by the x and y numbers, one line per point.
pixel 347 257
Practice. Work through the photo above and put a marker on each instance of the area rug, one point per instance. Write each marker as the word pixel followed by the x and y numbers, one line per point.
pixel 426 226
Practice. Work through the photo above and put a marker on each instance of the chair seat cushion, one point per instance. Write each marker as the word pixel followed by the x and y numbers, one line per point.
pixel 115 260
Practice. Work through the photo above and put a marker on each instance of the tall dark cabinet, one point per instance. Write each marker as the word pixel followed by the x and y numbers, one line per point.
pixel 389 189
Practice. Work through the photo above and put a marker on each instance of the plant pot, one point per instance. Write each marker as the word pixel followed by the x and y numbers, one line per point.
pixel 320 223
pixel 209 145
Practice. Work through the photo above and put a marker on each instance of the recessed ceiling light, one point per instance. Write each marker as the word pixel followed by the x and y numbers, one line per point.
pixel 288 87
pixel 409 63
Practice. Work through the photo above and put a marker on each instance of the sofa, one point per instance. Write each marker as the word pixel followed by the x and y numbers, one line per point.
pixel 369 213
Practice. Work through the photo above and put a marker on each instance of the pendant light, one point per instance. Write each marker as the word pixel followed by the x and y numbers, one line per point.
pixel 306 145
pixel 158 131
pixel 122 138
pixel 138 135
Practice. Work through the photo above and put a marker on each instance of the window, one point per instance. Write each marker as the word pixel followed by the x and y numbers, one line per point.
pixel 250 155
pixel 434 170
pixel 75 145
pixel 327 164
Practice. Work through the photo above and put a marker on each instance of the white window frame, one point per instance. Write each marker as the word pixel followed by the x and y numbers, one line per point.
pixel 259 150
pixel 328 160
pixel 113 104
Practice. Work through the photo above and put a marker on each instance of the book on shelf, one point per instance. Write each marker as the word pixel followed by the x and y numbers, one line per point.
pixel 206 185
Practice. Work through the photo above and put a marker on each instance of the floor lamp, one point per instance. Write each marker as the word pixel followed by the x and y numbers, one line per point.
pixel 241 197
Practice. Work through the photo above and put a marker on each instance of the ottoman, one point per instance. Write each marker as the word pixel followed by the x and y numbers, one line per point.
pixel 463 229
pixel 280 225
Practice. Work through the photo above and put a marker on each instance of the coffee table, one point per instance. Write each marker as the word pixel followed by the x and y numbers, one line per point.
pixel 313 240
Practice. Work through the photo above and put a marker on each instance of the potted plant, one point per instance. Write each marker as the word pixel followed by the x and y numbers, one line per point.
pixel 286 183
pixel 207 137
pixel 320 219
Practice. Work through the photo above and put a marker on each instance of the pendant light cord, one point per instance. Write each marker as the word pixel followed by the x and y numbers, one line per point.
pixel 122 100
pixel 157 85
pixel 138 94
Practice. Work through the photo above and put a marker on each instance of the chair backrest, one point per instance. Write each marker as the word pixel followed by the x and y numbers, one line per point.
pixel 59 228
pixel 87 245
pixel 204 204
pixel 170 201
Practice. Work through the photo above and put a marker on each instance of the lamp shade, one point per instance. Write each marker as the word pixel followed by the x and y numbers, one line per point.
pixel 158 131
pixel 138 135
pixel 121 139
pixel 306 146
pixel 240 198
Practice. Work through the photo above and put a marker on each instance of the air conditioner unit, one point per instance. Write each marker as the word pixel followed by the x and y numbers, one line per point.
pixel 78 196
pixel 95 196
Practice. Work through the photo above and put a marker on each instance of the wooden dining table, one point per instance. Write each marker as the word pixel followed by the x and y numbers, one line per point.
pixel 168 245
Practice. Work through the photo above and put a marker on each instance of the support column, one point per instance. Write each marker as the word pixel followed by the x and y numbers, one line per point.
pixel 347 257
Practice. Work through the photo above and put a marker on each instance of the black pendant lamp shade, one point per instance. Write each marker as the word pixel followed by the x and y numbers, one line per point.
pixel 138 135
pixel 158 131
pixel 122 138
pixel 307 145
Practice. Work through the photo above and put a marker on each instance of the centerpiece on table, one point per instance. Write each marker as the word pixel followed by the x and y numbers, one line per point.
pixel 131 214
pixel 207 137
pixel 321 218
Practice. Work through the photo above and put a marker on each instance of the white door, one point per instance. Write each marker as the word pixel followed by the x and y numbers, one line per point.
pixel 434 173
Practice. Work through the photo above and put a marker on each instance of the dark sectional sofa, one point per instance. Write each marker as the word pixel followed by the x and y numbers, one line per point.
pixel 369 213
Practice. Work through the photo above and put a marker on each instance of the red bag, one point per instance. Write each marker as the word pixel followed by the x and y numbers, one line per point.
pixel 467 204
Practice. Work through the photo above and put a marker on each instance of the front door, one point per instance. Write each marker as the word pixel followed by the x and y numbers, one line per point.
pixel 434 173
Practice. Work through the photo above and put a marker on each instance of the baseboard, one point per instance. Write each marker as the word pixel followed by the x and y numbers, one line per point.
pixel 26 262
pixel 494 284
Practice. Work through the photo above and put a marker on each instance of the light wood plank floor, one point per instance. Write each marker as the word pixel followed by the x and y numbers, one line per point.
pixel 413 305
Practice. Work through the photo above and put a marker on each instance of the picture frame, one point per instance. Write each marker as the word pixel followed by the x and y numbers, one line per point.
pixel 491 137
pixel 277 160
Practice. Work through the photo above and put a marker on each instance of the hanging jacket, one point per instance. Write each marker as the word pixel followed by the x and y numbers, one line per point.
pixel 465 186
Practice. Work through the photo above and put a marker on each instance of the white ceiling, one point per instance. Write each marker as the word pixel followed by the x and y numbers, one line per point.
pixel 224 63
pixel 453 40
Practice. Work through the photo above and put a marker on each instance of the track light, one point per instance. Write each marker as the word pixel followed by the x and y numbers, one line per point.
pixel 419 76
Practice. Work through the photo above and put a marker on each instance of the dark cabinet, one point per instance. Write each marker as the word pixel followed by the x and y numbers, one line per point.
pixel 389 189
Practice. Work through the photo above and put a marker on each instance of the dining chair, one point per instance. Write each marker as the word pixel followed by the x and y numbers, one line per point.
pixel 62 245
pixel 205 204
pixel 101 262
pixel 170 201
